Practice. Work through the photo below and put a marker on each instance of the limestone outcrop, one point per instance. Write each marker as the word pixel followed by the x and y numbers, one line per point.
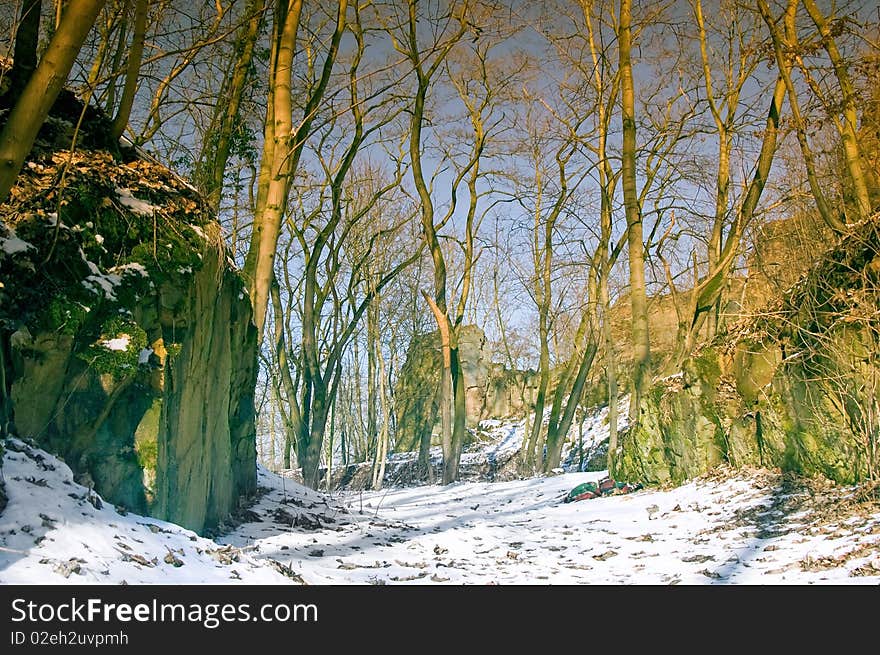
pixel 127 342
pixel 795 387
pixel 492 390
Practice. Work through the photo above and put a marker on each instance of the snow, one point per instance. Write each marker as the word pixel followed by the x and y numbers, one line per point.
pixel 731 527
pixel 93 268
pixel 134 268
pixel 106 283
pixel 136 205
pixel 506 436
pixel 119 343
pixel 199 231
pixel 55 531
pixel 102 284
pixel 501 439
pixel 52 219
pixel 11 244
pixel 737 529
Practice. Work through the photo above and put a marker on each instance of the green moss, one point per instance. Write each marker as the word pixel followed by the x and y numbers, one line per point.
pixel 147 456
pixel 705 366
pixel 146 438
pixel 147 453
pixel 755 365
pixel 117 349
pixel 65 315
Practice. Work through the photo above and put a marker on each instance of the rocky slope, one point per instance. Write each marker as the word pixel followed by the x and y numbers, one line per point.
pixel 127 342
pixel 796 386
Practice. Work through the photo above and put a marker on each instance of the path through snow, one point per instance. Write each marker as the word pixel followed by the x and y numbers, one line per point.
pixel 745 527
pixel 754 527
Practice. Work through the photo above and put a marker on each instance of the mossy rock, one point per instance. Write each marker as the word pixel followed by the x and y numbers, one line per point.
pixel 135 353
pixel 117 350
pixel 754 367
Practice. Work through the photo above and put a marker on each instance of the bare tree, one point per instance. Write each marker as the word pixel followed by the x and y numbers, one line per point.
pixel 225 123
pixel 135 55
pixel 282 146
pixel 641 344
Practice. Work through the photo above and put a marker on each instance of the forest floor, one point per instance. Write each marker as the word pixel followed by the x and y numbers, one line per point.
pixel 731 527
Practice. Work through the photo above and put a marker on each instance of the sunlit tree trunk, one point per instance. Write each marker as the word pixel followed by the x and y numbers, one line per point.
pixel 281 158
pixel 543 265
pixel 782 46
pixel 641 346
pixel 277 162
pixel 437 301
pixel 849 128
pixel 726 234
pixel 383 436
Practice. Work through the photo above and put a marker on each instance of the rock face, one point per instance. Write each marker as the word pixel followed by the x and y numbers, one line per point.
pixel 127 341
pixel 492 391
pixel 206 444
pixel 796 388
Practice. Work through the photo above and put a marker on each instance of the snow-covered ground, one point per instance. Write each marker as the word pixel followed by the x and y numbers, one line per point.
pixel 54 530
pixel 754 527
pixel 757 528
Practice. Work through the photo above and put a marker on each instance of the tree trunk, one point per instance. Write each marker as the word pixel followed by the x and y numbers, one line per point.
pixel 32 106
pixel 557 407
pixel 278 164
pixel 133 68
pixel 24 56
pixel 529 453
pixel 781 46
pixel 707 291
pixel 610 372
pixel 109 96
pixel 311 439
pixel 382 448
pixel 641 346
pixel 849 135
pixel 446 386
pixel 332 422
pixel 287 459
pixel 357 421
pixel 285 152
pixel 272 428
pixel 557 431
pixel 425 468
pixel 437 303
pixel 459 419
pixel 372 399
pixel 292 418
pixel 211 165
pixel 7 418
